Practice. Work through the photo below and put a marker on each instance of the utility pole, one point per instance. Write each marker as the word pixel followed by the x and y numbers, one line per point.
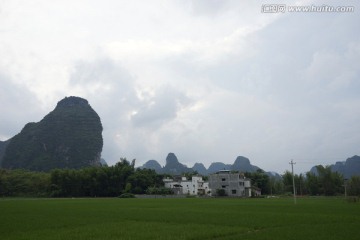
pixel 292 171
pixel 345 182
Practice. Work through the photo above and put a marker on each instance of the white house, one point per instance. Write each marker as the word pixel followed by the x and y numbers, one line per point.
pixel 195 186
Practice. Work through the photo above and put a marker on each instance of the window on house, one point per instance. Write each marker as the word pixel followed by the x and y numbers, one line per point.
pixel 223 179
pixel 241 183
pixel 223 186
pixel 233 191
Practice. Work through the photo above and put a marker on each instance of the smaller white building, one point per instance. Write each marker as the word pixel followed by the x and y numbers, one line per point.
pixel 182 186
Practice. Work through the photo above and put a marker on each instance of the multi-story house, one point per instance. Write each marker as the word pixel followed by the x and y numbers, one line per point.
pixel 233 184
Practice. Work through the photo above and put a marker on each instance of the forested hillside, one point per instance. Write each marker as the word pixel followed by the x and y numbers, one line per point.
pixel 68 137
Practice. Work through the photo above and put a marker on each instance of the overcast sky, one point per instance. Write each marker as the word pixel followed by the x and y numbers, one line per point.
pixel 209 80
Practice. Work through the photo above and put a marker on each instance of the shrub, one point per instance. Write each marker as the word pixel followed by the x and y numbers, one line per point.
pixel 220 192
pixel 127 195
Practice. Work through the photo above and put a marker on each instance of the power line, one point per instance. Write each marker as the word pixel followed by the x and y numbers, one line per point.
pixel 318 159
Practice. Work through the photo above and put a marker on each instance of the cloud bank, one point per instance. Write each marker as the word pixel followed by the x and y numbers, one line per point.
pixel 207 80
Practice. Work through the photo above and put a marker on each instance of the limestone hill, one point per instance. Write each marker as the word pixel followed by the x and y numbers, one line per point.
pixel 68 137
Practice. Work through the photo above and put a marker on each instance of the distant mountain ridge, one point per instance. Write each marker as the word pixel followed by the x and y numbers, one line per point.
pixel 243 164
pixel 200 168
pixel 70 136
pixel 152 164
pixel 173 166
pixel 348 168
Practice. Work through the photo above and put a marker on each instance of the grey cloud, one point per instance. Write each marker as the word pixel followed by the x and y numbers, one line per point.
pixel 161 108
pixel 107 83
pixel 19 106
pixel 114 98
pixel 284 51
pixel 117 103
pixel 303 76
pixel 208 7
pixel 288 89
pixel 102 70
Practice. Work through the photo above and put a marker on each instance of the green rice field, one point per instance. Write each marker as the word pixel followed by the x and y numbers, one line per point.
pixel 186 218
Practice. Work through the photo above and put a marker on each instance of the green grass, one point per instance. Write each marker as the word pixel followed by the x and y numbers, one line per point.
pixel 193 218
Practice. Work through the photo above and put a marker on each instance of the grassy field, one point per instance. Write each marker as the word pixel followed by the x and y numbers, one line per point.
pixel 188 218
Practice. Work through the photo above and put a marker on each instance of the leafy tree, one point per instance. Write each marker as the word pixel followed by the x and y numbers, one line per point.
pixel 288 181
pixel 127 188
pixel 325 182
pixel 330 182
pixel 23 183
pixel 142 179
pixel 260 179
pixel 86 182
pixel 220 192
pixel 159 191
pixel 353 186
pixel 276 185
pixel 312 183
pixel 300 184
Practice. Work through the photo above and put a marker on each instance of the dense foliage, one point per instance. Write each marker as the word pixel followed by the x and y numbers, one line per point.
pixel 23 183
pixel 123 177
pixel 324 182
pixel 87 182
pixel 260 180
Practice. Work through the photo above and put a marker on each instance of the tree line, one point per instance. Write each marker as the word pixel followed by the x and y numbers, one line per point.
pixel 123 177
pixel 103 181
pixel 325 182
